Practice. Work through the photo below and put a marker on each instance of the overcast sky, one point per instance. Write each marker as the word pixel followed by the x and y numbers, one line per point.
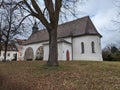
pixel 103 13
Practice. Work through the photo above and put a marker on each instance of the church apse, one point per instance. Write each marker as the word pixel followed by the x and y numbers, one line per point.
pixel 29 54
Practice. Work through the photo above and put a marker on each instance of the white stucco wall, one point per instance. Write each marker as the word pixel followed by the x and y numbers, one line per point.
pixel 65 47
pixel 8 57
pixel 46 52
pixel 20 49
pixel 77 55
pixel 34 47
pixel 59 51
pixel 62 49
pixel 88 55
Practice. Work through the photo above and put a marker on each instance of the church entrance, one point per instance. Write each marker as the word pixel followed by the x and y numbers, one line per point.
pixel 67 55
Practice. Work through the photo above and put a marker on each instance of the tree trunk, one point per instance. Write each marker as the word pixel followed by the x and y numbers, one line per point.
pixel 5 54
pixel 53 50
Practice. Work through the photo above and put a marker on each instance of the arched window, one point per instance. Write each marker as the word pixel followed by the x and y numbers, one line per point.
pixel 93 47
pixel 29 54
pixel 82 47
pixel 39 53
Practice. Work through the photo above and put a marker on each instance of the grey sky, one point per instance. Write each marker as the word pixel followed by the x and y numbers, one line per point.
pixel 102 13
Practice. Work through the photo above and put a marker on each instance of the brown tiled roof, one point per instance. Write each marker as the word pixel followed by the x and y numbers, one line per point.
pixel 79 27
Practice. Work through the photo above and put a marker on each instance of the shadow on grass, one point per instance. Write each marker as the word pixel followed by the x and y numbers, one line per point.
pixel 7 84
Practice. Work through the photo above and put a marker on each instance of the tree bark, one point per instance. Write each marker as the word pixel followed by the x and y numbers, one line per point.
pixel 53 51
pixel 5 54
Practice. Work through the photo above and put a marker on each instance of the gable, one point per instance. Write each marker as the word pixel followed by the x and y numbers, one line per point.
pixel 90 28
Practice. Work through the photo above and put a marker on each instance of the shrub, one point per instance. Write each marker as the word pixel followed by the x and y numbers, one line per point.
pixel 39 58
pixel 29 59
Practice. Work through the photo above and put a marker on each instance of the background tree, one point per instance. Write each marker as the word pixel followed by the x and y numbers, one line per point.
pixel 48 12
pixel 11 23
pixel 111 53
pixel 117 20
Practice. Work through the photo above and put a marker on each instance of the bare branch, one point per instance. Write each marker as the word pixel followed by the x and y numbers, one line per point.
pixel 50 8
pixel 39 13
pixel 26 3
pixel 44 10
pixel 1 3
pixel 58 4
pixel 23 20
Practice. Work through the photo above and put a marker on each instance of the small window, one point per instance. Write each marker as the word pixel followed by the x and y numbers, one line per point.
pixel 82 47
pixel 93 47
pixel 8 54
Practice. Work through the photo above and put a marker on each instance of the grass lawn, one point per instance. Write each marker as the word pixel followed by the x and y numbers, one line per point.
pixel 74 75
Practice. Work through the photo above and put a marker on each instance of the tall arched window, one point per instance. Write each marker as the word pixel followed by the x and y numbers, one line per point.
pixel 93 47
pixel 82 47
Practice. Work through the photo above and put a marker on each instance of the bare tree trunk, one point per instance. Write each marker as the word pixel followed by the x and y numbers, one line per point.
pixel 0 38
pixel 6 43
pixel 0 42
pixel 53 51
pixel 5 54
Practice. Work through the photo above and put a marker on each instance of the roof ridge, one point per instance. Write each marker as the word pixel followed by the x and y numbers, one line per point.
pixel 74 20
pixel 67 22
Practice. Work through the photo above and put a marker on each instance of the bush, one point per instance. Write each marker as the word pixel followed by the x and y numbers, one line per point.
pixel 111 54
pixel 29 59
pixel 39 58
pixel 111 57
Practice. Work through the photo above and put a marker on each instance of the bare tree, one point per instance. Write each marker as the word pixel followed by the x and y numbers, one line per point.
pixel 48 12
pixel 117 20
pixel 11 21
pixel 111 53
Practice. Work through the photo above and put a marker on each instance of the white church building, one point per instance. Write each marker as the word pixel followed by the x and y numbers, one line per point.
pixel 77 40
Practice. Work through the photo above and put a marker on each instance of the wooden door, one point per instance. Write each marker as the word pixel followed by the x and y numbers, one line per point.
pixel 67 56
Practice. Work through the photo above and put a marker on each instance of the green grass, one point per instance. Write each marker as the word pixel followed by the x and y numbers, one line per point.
pixel 74 75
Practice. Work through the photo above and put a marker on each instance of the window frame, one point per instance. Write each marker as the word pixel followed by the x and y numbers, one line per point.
pixel 93 46
pixel 82 48
pixel 8 54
